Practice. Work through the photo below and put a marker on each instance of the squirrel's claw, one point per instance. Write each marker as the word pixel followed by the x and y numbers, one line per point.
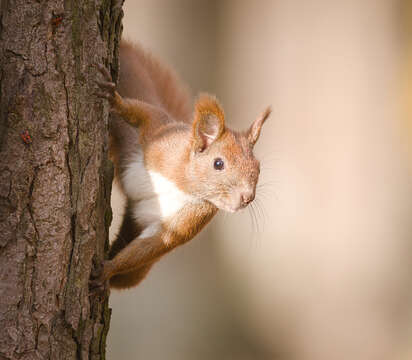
pixel 110 86
pixel 104 72
pixel 98 285
pixel 107 87
pixel 103 95
pixel 117 6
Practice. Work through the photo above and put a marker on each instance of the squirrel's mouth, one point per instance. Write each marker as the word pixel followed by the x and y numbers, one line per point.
pixel 235 200
pixel 229 207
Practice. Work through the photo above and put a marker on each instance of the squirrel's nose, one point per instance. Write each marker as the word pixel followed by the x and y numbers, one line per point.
pixel 247 197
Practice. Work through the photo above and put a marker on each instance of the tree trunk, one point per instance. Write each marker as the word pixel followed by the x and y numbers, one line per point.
pixel 55 178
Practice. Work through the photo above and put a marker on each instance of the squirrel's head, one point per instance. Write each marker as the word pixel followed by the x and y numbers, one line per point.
pixel 222 165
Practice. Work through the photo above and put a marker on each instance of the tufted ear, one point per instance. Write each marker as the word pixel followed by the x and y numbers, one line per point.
pixel 209 122
pixel 254 130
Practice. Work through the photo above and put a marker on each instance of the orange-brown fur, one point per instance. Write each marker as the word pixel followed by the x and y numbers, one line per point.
pixel 181 146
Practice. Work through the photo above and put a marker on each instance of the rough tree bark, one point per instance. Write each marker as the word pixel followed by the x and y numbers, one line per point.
pixel 55 178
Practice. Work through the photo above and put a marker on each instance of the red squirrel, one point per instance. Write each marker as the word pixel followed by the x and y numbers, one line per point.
pixel 176 165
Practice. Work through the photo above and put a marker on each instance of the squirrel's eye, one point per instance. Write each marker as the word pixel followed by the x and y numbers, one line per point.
pixel 218 164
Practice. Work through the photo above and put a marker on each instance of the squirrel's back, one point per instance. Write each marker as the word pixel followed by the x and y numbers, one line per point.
pixel 145 78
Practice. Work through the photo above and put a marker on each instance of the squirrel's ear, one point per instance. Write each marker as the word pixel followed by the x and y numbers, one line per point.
pixel 209 122
pixel 254 130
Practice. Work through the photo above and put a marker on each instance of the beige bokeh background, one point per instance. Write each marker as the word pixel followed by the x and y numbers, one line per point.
pixel 325 270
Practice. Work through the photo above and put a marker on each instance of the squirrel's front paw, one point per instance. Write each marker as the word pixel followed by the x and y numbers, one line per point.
pixel 107 86
pixel 98 283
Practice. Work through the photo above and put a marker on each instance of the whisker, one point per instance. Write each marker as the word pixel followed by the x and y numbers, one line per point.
pixel 258 233
pixel 253 224
pixel 268 157
pixel 224 215
pixel 262 214
pixel 267 189
pixel 268 183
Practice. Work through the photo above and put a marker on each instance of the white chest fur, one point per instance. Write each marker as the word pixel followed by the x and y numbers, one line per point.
pixel 156 198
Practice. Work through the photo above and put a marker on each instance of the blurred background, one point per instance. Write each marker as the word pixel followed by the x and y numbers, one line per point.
pixel 323 268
